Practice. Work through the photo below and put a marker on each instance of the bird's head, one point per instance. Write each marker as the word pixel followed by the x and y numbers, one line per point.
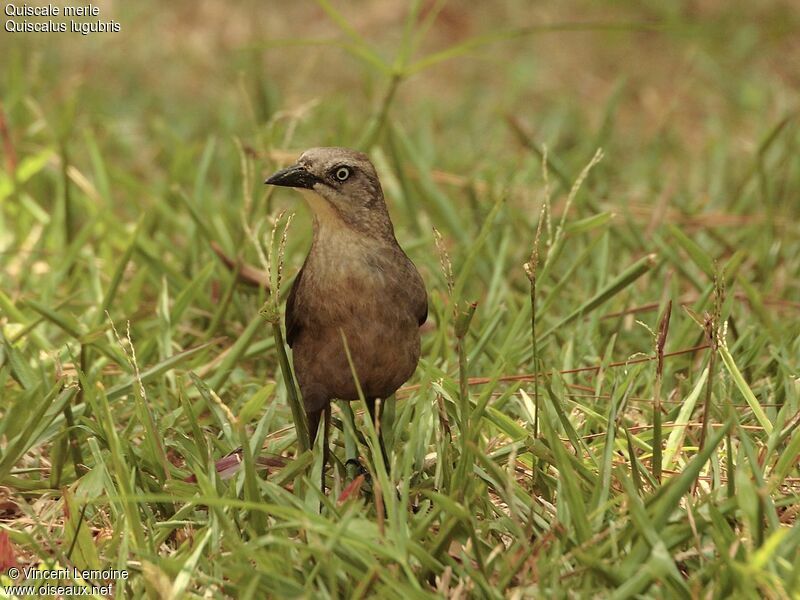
pixel 341 187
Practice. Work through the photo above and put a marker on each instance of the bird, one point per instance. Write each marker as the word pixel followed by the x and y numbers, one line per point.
pixel 357 291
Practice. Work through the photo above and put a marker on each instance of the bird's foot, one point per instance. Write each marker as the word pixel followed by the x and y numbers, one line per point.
pixel 358 469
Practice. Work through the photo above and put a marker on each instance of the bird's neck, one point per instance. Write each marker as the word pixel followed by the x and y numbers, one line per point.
pixel 332 225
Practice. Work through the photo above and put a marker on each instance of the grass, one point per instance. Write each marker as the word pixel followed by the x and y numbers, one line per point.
pixel 607 401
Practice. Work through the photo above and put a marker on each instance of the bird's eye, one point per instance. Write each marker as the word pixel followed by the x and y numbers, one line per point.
pixel 342 173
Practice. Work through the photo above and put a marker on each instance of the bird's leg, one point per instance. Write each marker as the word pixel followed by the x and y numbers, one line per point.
pixel 314 417
pixel 375 414
pixel 326 449
pixel 353 466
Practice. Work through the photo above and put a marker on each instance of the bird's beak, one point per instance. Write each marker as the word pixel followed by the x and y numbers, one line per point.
pixel 295 176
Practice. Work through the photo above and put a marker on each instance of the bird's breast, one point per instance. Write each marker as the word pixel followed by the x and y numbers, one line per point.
pixel 357 289
pixel 349 278
pixel 337 259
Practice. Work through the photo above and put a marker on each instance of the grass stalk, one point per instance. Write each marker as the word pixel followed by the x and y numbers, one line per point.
pixel 661 341
pixel 461 328
pixel 712 330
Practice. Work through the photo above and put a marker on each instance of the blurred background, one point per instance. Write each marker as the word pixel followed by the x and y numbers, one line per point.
pixel 658 85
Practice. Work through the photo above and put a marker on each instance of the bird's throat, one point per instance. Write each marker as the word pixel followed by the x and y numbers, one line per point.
pixel 325 216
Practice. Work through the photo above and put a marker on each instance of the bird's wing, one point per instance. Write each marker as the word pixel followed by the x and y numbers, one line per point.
pixel 292 321
pixel 422 312
pixel 420 297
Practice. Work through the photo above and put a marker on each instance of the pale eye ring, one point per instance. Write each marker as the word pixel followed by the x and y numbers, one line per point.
pixel 342 174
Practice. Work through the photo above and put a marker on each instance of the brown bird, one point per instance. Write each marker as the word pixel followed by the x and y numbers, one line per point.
pixel 356 282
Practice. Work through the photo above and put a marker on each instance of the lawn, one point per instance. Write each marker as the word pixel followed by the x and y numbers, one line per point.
pixel 604 202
